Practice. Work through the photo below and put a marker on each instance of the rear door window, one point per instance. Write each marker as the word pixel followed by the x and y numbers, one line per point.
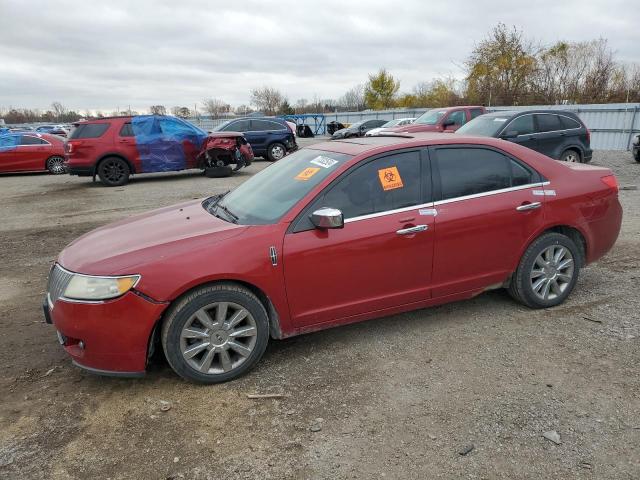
pixel 469 171
pixel 264 125
pixel 569 123
pixel 89 130
pixel 126 130
pixel 548 123
pixel 31 140
pixel 239 126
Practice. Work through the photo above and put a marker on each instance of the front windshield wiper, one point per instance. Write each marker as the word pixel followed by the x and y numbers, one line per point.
pixel 232 216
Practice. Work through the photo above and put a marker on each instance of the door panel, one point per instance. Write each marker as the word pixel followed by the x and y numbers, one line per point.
pixel 363 267
pixel 478 241
pixel 480 232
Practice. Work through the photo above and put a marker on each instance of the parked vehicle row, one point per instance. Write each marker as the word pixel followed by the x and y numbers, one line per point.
pixel 340 232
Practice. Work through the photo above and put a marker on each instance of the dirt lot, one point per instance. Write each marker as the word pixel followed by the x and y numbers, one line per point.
pixel 398 397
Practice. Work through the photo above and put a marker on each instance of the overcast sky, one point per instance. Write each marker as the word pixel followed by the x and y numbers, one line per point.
pixel 104 54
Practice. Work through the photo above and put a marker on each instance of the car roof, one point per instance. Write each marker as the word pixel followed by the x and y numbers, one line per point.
pixel 356 146
pixel 511 113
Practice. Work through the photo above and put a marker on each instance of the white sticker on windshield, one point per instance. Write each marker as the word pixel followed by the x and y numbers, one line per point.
pixel 324 162
pixel 500 120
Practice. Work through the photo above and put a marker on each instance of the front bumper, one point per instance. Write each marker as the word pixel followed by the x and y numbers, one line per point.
pixel 110 337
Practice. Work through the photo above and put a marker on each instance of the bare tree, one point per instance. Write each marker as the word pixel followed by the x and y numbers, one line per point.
pixel 181 112
pixel 267 99
pixel 353 99
pixel 215 107
pixel 157 110
pixel 59 110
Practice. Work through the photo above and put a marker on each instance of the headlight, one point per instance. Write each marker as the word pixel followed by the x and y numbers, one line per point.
pixel 85 287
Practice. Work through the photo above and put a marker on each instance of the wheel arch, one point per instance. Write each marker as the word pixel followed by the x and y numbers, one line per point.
pixel 46 161
pixel 103 157
pixel 573 232
pixel 576 148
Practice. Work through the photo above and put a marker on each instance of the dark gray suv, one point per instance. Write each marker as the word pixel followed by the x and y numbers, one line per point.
pixel 556 133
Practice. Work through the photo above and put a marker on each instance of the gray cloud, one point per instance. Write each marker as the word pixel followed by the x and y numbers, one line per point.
pixel 99 55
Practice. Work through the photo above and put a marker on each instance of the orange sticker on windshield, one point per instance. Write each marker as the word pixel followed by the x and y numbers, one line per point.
pixel 307 173
pixel 390 178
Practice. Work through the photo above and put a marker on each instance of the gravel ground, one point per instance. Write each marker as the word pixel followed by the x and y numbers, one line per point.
pixel 399 397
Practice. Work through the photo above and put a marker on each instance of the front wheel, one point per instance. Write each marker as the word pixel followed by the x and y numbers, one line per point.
pixel 215 334
pixel 113 172
pixel 548 271
pixel 276 151
pixel 55 165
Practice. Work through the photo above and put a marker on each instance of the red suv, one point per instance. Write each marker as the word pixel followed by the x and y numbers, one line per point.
pixel 341 232
pixel 116 147
pixel 441 120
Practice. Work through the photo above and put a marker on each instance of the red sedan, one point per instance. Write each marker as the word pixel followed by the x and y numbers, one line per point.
pixel 31 152
pixel 339 233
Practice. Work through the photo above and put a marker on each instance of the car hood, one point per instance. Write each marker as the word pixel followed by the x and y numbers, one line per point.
pixel 414 128
pixel 122 247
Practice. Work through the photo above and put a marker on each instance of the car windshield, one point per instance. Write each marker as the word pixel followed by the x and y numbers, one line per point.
pixel 483 126
pixel 431 117
pixel 268 195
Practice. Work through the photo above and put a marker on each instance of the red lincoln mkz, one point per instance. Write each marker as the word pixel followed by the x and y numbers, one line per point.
pixel 337 233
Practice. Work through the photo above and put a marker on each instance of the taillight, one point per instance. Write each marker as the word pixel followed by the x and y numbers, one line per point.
pixel 610 181
pixel 588 137
pixel 68 147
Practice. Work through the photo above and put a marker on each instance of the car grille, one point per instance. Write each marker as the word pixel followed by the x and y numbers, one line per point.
pixel 59 278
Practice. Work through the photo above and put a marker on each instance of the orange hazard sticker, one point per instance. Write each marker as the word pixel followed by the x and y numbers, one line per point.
pixel 390 178
pixel 307 173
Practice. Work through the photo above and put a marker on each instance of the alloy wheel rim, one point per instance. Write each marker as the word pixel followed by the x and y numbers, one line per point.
pixel 277 152
pixel 218 338
pixel 571 158
pixel 114 171
pixel 56 165
pixel 552 272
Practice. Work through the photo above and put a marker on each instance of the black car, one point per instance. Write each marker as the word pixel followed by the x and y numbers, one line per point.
pixel 357 129
pixel 555 133
pixel 269 137
pixel 636 148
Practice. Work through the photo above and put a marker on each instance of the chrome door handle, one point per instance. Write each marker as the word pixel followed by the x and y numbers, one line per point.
pixel 528 206
pixel 410 230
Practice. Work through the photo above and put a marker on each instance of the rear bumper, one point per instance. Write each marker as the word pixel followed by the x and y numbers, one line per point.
pixel 588 155
pixel 110 337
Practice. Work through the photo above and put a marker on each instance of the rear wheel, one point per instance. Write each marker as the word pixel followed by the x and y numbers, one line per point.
pixel 548 271
pixel 55 165
pixel 113 172
pixel 570 156
pixel 215 334
pixel 276 151
pixel 636 155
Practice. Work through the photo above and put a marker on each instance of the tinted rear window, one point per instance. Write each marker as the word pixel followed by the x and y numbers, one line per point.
pixel 126 130
pixel 548 122
pixel 569 122
pixel 30 140
pixel 89 130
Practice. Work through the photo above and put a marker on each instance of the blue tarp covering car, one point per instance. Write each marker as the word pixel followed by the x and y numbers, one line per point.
pixel 162 142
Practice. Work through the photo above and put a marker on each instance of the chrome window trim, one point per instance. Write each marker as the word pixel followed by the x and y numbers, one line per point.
pixel 443 202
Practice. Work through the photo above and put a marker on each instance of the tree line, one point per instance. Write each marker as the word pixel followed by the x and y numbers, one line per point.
pixel 505 68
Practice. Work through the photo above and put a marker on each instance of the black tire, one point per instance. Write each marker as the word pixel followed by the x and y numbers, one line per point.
pixel 276 151
pixel 571 155
pixel 636 155
pixel 522 283
pixel 55 165
pixel 218 172
pixel 184 310
pixel 114 172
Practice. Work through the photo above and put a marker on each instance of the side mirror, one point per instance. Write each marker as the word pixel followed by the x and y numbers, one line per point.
pixel 326 217
pixel 509 134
